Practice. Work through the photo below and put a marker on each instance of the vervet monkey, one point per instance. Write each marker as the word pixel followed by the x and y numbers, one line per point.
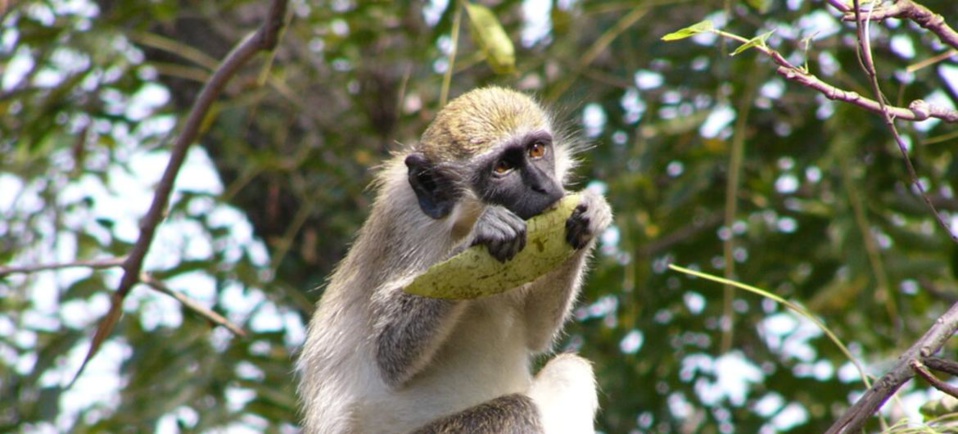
pixel 379 360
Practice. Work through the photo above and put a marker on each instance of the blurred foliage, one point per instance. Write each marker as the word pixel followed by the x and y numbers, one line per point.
pixel 825 215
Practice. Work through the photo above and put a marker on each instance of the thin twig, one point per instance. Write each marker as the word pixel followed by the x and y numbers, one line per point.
pixel 923 372
pixel 917 110
pixel 941 365
pixel 447 77
pixel 265 38
pixel 854 419
pixel 924 63
pixel 191 304
pixel 597 48
pixel 868 64
pixel 697 226
pixel 907 9
pixel 94 264
pixel 840 5
pixel 732 186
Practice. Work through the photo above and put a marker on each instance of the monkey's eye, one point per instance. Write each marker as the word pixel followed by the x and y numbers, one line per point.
pixel 502 167
pixel 537 150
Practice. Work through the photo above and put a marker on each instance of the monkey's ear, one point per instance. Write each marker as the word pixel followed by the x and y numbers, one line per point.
pixel 437 193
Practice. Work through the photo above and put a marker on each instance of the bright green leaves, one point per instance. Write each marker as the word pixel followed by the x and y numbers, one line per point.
pixel 707 27
pixel 756 42
pixel 688 32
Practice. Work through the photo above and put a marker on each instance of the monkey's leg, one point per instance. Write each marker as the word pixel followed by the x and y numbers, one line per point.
pixel 509 414
pixel 564 391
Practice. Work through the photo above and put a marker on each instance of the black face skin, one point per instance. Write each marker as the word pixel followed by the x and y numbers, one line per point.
pixel 520 176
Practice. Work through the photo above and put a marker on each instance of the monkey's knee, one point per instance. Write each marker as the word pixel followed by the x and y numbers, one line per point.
pixel 565 393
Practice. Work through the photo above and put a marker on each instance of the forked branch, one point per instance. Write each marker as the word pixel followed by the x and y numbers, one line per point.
pixel 264 39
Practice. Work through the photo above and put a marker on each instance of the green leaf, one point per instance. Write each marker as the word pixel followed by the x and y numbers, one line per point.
pixel 492 38
pixel 758 41
pixel 701 27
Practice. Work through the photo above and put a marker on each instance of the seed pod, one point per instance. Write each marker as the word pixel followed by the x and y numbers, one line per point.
pixel 492 38
pixel 475 273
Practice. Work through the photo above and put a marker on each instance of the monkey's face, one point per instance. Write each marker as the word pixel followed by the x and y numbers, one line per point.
pixel 520 175
pixel 495 143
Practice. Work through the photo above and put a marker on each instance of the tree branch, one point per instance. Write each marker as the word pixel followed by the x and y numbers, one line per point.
pixel 923 372
pixel 94 264
pixel 910 362
pixel 868 64
pixel 918 110
pixel 854 419
pixel 941 365
pixel 908 9
pixel 840 5
pixel 264 39
pixel 193 305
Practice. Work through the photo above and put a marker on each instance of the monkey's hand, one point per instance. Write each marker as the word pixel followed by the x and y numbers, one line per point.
pixel 589 219
pixel 501 231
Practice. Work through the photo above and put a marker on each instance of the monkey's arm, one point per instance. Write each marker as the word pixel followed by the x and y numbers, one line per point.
pixel 551 296
pixel 410 328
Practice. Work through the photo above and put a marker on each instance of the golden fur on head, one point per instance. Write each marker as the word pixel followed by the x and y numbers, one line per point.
pixel 478 120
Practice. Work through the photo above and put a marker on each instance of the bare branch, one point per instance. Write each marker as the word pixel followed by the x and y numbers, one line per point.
pixel 193 305
pixel 918 110
pixel 840 5
pixel 265 38
pixel 941 365
pixel 868 64
pixel 923 372
pixel 854 419
pixel 944 328
pixel 907 9
pixel 94 264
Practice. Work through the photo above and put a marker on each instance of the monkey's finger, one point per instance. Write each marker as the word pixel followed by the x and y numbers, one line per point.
pixel 500 250
pixel 577 231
